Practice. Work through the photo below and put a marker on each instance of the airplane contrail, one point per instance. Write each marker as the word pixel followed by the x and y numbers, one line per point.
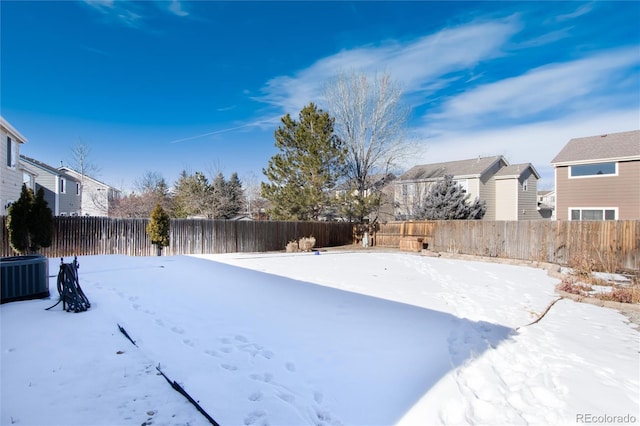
pixel 255 123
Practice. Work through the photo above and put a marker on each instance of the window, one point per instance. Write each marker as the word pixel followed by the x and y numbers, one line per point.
pixel 593 213
pixel 525 185
pixel 596 169
pixel 62 184
pixel 12 153
pixel 77 188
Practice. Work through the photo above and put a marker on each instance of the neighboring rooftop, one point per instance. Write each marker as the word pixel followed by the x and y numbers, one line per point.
pixel 624 145
pixel 12 130
pixel 473 167
pixel 43 166
pixel 516 170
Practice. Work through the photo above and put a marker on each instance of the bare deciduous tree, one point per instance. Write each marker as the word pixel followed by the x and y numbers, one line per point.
pixel 80 160
pixel 370 119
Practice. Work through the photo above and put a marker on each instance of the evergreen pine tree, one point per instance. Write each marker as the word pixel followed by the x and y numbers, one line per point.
pixel 192 195
pixel 234 197
pixel 447 200
pixel 40 223
pixel 219 196
pixel 306 168
pixel 18 221
pixel 158 228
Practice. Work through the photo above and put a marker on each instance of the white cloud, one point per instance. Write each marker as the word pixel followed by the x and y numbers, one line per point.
pixel 122 11
pixel 415 65
pixel 177 8
pixel 582 10
pixel 133 14
pixel 542 89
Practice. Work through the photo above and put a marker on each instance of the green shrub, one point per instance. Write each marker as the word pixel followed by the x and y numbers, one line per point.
pixel 158 228
pixel 29 222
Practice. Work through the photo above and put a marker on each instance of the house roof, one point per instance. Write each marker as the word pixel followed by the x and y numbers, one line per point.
pixel 46 167
pixel 614 146
pixel 10 129
pixel 515 171
pixel 77 174
pixel 469 168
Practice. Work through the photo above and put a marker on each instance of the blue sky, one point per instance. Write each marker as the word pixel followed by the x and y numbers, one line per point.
pixel 167 86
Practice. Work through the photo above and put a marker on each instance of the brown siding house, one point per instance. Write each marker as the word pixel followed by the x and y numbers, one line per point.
pixel 598 178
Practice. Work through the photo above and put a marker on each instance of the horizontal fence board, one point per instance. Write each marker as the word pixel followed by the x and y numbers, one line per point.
pixel 613 245
pixel 82 236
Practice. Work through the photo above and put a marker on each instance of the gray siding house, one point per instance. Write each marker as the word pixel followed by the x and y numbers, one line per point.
pixel 96 196
pixel 516 193
pixel 598 178
pixel 62 192
pixel 11 177
pixel 509 191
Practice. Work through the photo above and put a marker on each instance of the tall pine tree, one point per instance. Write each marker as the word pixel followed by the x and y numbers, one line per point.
pixel 307 167
pixel 235 197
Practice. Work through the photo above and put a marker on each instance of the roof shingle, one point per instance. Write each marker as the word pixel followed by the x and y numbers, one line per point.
pixel 473 167
pixel 602 147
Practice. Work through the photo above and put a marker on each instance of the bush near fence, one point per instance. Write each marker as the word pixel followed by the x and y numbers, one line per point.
pixel 613 245
pixel 83 236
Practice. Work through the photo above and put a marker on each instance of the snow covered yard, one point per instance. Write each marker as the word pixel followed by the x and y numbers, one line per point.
pixel 336 338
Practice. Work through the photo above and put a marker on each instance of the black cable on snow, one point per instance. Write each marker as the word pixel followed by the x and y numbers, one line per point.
pixel 123 331
pixel 174 384
pixel 184 393
pixel 71 294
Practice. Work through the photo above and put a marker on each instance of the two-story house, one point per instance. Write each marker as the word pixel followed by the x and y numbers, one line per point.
pixel 598 178
pixel 11 178
pixel 62 191
pixel 97 196
pixel 509 191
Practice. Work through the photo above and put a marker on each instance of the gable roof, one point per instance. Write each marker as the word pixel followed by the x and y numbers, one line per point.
pixel 614 146
pixel 78 175
pixel 515 171
pixel 46 167
pixel 12 130
pixel 462 168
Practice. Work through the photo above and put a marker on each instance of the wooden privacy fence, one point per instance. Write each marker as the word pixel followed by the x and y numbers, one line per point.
pixel 613 245
pixel 98 235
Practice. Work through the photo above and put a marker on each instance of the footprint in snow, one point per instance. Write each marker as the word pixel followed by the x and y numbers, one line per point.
pixel 256 396
pixel 254 416
pixel 291 367
pixel 266 377
pixel 229 367
pixel 177 330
